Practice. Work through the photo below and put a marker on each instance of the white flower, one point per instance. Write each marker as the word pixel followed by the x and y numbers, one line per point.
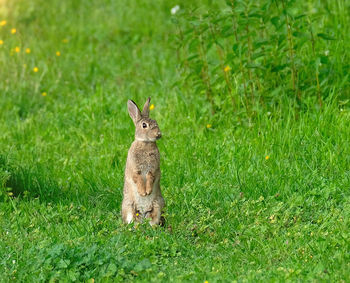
pixel 13 261
pixel 326 52
pixel 175 9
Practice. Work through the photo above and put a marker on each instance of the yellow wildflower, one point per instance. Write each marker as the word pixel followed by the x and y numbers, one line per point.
pixel 267 157
pixel 272 218
pixel 65 40
pixel 27 50
pixel 151 107
pixel 35 69
pixel 58 53
pixel 17 49
pixel 1 42
pixel 44 93
pixel 227 69
pixel 13 31
pixel 2 23
pixel 208 126
pixel 137 214
pixel 206 281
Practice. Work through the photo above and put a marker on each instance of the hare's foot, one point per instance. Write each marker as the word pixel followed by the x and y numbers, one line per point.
pixel 149 183
pixel 128 213
pixel 156 216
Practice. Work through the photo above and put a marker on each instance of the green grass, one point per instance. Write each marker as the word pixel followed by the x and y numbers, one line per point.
pixel 231 213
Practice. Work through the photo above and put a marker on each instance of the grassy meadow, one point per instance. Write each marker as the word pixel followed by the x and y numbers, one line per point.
pixel 253 103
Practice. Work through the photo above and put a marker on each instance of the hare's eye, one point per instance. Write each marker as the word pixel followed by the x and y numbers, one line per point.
pixel 144 125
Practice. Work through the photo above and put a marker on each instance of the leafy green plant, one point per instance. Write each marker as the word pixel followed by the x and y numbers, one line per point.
pixel 262 52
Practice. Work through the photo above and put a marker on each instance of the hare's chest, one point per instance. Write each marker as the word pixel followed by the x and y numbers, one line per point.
pixel 147 161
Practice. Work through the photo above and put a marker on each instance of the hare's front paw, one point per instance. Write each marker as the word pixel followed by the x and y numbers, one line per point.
pixel 142 190
pixel 141 187
pixel 149 183
pixel 148 189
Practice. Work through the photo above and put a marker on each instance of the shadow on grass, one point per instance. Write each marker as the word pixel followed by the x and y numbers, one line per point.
pixel 35 181
pixel 38 181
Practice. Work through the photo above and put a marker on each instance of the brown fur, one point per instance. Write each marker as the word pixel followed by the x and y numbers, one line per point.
pixel 142 195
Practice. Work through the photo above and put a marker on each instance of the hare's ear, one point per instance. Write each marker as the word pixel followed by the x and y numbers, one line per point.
pixel 145 110
pixel 134 111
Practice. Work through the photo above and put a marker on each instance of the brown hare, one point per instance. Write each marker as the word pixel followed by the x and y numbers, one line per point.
pixel 141 196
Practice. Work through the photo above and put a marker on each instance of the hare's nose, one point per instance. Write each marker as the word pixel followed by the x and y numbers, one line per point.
pixel 159 135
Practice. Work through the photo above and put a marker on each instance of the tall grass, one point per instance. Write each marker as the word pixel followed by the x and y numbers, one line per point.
pixel 248 54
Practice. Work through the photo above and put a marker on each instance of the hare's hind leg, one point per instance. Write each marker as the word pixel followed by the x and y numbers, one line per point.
pixel 128 212
pixel 156 215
